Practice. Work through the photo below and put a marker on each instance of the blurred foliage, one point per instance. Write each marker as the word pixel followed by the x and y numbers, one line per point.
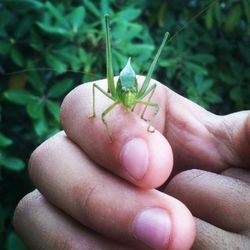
pixel 49 47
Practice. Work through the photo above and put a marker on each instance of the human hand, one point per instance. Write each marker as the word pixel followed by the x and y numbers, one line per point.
pixel 70 179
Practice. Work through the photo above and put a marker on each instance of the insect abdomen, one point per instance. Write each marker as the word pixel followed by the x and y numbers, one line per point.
pixel 128 99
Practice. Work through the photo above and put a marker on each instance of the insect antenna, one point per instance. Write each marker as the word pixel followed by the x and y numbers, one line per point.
pixel 192 19
pixel 148 77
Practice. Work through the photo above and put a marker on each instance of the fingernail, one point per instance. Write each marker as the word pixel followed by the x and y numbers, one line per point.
pixel 134 158
pixel 152 226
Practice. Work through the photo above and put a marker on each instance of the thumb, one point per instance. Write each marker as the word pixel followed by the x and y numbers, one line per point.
pixel 143 158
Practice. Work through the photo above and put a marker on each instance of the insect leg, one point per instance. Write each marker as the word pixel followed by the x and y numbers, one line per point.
pixel 95 86
pixel 150 91
pixel 110 73
pixel 157 108
pixel 104 114
pixel 152 66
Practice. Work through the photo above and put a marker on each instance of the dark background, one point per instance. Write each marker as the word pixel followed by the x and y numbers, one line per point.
pixel 49 47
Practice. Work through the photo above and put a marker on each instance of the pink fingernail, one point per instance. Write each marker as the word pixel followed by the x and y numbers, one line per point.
pixel 152 226
pixel 134 158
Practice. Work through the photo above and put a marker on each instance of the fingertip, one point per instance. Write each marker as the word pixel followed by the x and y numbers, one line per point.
pixel 182 223
pixel 160 162
pixel 183 232
pixel 124 155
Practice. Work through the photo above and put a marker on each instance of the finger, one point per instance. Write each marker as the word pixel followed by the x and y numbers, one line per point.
pixel 106 203
pixel 232 138
pixel 238 173
pixel 210 237
pixel 141 157
pixel 42 226
pixel 219 200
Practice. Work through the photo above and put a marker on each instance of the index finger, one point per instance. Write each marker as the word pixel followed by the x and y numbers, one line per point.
pixel 134 154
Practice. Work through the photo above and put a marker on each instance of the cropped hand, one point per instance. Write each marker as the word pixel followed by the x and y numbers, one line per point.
pixel 94 194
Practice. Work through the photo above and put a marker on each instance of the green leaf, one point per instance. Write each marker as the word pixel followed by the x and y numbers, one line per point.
pixel 4 141
pixel 40 127
pixel 204 86
pixel 57 14
pixel 4 47
pixel 246 5
pixel 14 242
pixel 34 77
pixel 35 108
pixel 82 55
pixel 195 68
pixel 209 19
pixel 202 58
pixel 92 8
pixel 212 97
pixel 236 93
pixel 120 58
pixel 168 62
pixel 132 31
pixel 55 30
pixel 5 17
pixel 227 78
pixel 128 14
pixel 54 109
pixel 217 12
pixel 60 88
pixel 26 5
pixel 76 17
pixel 24 26
pixel 233 18
pixel 36 41
pixel 69 57
pixel 16 56
pixel 19 96
pixel 137 49
pixel 55 63
pixel 12 163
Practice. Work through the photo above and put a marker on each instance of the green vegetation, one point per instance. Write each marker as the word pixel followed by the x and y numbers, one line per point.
pixel 49 47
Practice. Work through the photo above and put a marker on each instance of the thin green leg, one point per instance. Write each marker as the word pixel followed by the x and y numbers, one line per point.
pixel 93 95
pixel 152 90
pixel 104 114
pixel 157 108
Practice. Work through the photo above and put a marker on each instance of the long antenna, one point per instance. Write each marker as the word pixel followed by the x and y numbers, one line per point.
pixel 191 19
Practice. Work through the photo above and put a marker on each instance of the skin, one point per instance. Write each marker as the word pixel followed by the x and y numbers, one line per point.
pixel 86 199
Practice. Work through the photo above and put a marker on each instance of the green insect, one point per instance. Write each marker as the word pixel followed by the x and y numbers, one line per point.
pixel 126 91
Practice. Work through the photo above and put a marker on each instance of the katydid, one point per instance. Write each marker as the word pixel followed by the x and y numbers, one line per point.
pixel 126 92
